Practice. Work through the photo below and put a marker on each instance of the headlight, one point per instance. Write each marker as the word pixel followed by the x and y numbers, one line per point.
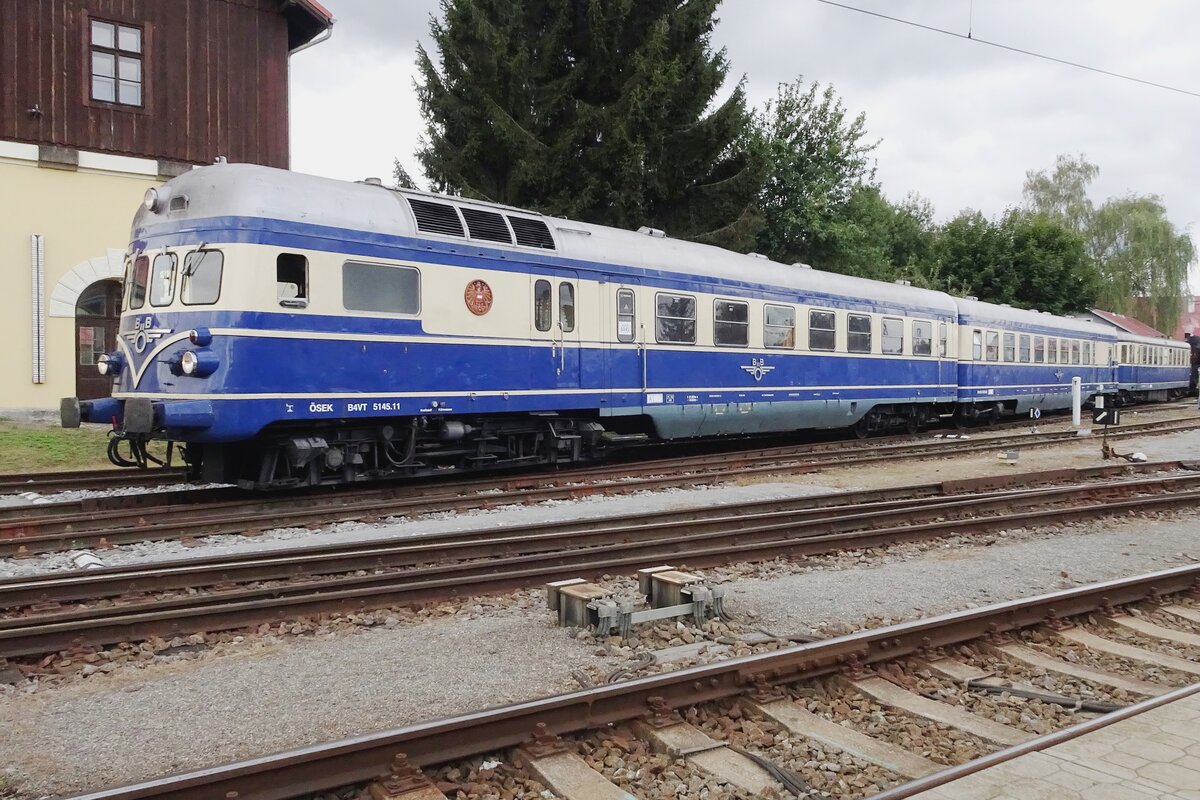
pixel 198 363
pixel 150 200
pixel 109 364
pixel 188 362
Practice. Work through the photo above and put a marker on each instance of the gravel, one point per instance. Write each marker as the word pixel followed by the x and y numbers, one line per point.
pixel 170 717
pixel 294 691
pixel 951 577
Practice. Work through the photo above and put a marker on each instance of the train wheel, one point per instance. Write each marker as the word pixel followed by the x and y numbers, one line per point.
pixel 862 428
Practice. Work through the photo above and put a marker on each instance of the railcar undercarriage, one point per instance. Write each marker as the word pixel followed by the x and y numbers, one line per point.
pixel 349 453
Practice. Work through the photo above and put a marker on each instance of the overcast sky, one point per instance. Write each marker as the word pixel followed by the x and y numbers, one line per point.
pixel 960 122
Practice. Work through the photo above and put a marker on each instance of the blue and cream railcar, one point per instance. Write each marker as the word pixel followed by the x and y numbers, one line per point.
pixel 288 329
pixel 1014 360
pixel 1150 369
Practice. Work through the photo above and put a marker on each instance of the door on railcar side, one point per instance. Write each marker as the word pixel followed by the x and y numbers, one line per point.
pixel 624 330
pixel 947 361
pixel 555 361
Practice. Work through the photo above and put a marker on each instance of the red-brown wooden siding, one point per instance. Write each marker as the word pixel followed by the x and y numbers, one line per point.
pixel 214 79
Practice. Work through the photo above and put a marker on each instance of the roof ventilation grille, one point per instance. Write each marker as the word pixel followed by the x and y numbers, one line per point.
pixel 655 232
pixel 802 265
pixel 970 297
pixel 373 181
pixel 757 255
pixel 532 233
pixel 902 282
pixel 486 225
pixel 435 217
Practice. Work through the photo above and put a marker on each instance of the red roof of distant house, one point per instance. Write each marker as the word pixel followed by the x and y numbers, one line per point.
pixel 1190 321
pixel 1128 324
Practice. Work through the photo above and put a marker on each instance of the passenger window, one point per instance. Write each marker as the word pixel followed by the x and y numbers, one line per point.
pixel 202 277
pixel 1010 347
pixel 162 280
pixel 892 336
pixel 1039 350
pixel 1052 351
pixel 822 330
pixel 625 315
pixel 566 306
pixel 858 333
pixel 1024 349
pixel 291 280
pixel 1064 351
pixel 731 323
pixel 977 345
pixel 922 342
pixel 139 276
pixel 943 339
pixel 779 326
pixel 543 310
pixel 675 318
pixel 381 287
pixel 993 346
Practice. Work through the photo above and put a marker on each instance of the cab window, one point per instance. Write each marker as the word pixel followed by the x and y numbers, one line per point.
pixel 162 280
pixel 139 277
pixel 202 277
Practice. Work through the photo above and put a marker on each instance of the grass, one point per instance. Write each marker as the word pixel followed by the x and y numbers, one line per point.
pixel 42 448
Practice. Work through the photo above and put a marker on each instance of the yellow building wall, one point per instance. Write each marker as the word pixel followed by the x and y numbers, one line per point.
pixel 83 217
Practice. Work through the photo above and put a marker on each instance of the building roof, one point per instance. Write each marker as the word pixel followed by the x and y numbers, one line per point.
pixel 307 19
pixel 1189 321
pixel 1128 324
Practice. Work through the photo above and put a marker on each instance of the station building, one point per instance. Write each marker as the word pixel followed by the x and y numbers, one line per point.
pixel 100 101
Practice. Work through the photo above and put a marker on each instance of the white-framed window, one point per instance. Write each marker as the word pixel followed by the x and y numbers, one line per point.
pixel 891 336
pixel 202 270
pixel 822 330
pixel 858 333
pixel 922 341
pixel 675 318
pixel 1023 348
pixel 1010 347
pixel 993 346
pixel 731 323
pixel 779 326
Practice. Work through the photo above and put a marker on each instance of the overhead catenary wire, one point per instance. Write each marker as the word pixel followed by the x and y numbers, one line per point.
pixel 970 37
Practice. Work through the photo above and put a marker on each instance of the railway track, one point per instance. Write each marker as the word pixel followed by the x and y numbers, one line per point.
pixel 57 611
pixel 100 479
pixel 73 480
pixel 104 521
pixel 759 718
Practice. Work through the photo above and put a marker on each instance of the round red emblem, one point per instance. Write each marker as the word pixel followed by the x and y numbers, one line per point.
pixel 478 297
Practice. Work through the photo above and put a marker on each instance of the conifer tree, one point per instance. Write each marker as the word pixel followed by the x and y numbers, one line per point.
pixel 599 110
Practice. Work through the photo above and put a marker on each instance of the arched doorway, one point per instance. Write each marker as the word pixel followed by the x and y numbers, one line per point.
pixel 97 315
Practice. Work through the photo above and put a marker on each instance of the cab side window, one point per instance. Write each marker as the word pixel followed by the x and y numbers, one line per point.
pixel 291 280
